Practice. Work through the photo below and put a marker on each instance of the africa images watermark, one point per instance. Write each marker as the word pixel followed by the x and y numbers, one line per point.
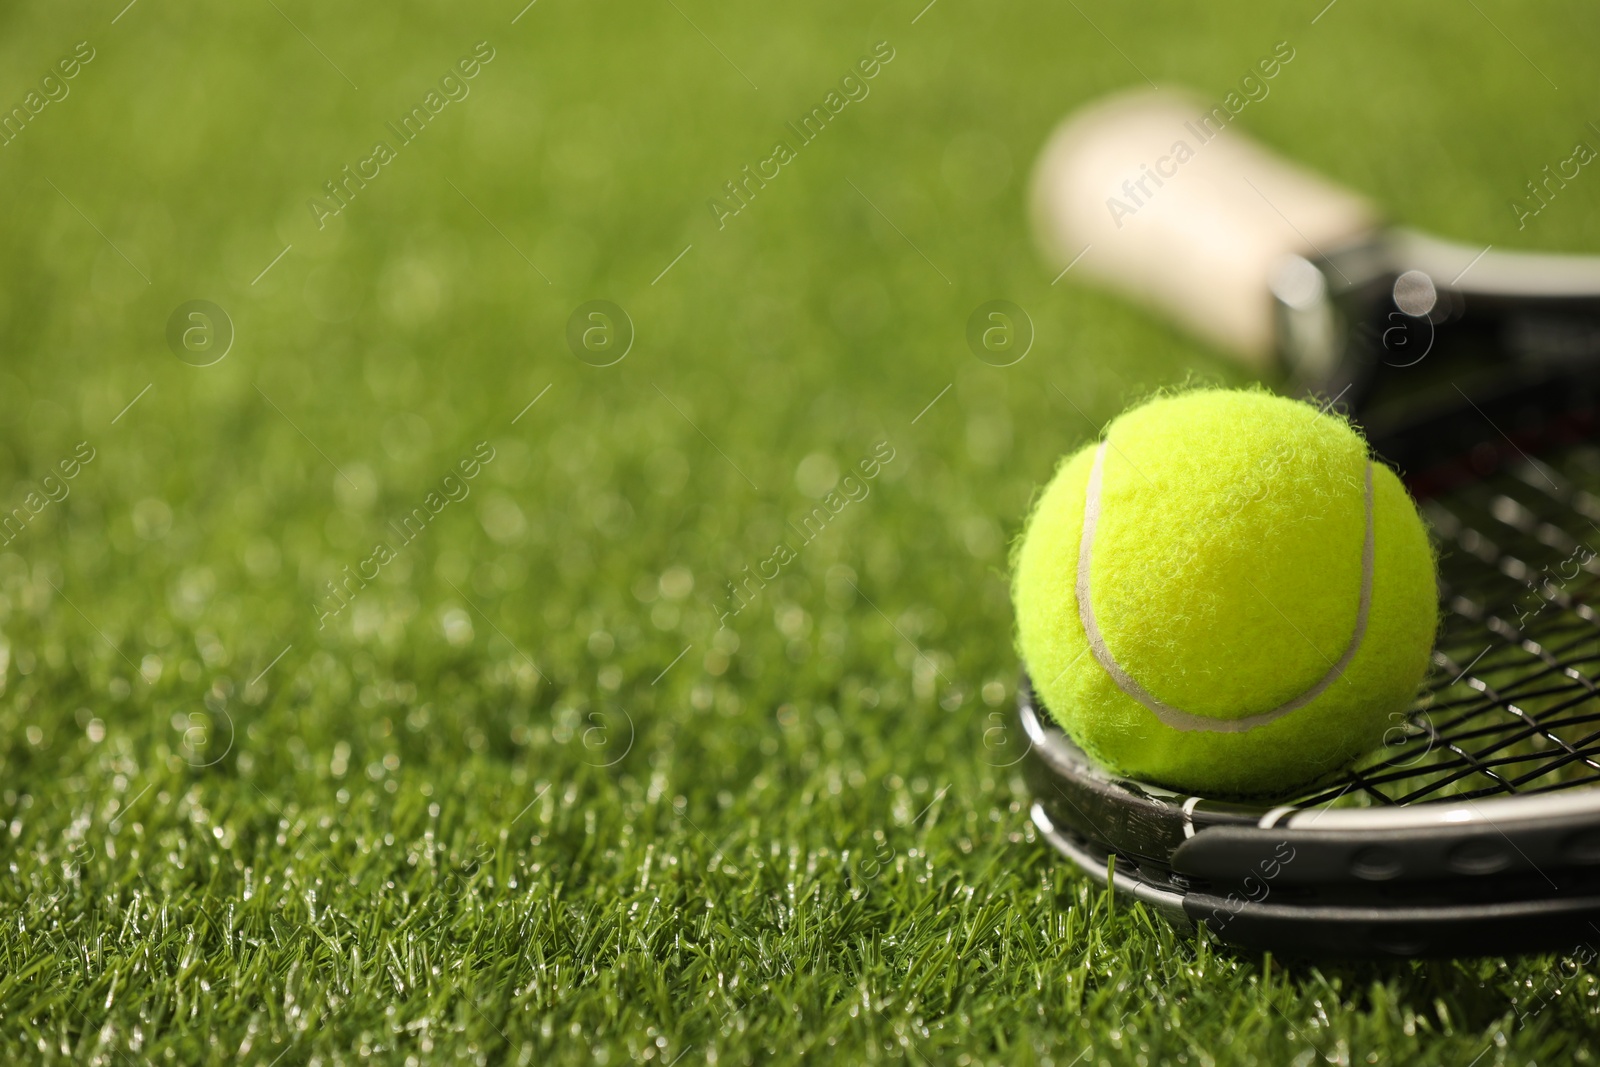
pixel 1212 123
pixel 811 125
pixel 1546 588
pixel 56 490
pixel 849 490
pixel 1543 190
pixel 52 88
pixel 1551 984
pixel 343 187
pixel 1257 887
pixel 409 528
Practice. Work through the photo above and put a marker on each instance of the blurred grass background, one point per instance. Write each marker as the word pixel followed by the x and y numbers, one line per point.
pixel 522 801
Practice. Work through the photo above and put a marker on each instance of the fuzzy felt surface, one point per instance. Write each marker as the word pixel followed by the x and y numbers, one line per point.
pixel 1226 577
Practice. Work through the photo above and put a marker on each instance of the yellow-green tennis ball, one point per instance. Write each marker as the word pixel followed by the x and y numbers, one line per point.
pixel 1227 594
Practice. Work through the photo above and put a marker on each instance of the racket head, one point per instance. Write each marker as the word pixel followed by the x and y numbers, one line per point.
pixel 1481 813
pixel 1443 923
pixel 1483 806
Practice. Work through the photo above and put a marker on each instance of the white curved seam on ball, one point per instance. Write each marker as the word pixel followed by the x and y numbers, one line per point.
pixel 1177 718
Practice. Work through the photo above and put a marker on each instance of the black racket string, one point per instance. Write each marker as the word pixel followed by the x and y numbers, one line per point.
pixel 1512 706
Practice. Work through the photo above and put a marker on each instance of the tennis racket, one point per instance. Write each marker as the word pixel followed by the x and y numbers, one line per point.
pixel 1475 828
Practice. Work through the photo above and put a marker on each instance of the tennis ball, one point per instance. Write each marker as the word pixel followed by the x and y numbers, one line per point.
pixel 1225 595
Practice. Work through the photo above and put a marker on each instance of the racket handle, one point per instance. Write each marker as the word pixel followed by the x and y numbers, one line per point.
pixel 1168 204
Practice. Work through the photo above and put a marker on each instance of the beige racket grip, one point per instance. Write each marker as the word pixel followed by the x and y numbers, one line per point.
pixel 1169 204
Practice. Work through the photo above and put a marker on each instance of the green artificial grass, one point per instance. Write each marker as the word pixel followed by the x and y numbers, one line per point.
pixel 519 798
